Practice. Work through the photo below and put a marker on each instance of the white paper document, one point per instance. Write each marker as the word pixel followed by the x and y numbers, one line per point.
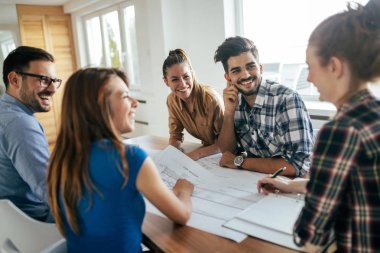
pixel 213 202
pixel 272 218
pixel 274 211
pixel 226 202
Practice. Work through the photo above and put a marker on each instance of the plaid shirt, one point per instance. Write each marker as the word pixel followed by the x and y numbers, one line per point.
pixel 343 193
pixel 278 124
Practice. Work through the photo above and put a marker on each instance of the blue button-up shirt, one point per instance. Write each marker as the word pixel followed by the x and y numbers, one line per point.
pixel 24 156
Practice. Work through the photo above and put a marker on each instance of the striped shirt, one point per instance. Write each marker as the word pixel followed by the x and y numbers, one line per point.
pixel 277 125
pixel 343 194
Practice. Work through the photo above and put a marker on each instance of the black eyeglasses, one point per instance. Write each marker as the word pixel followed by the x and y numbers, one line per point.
pixel 45 81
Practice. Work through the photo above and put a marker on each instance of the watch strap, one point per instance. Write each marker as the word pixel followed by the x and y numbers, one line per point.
pixel 243 155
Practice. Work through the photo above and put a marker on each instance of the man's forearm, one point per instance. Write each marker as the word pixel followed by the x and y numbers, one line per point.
pixel 227 138
pixel 203 151
pixel 176 143
pixel 269 165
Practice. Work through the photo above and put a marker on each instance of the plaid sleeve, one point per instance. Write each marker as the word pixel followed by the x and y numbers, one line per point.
pixel 333 156
pixel 294 126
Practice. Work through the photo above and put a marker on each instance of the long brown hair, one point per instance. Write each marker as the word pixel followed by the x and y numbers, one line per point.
pixel 179 56
pixel 86 117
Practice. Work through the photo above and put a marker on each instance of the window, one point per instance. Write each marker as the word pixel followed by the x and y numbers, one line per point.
pixel 111 40
pixel 95 48
pixel 281 29
pixel 131 57
pixel 7 45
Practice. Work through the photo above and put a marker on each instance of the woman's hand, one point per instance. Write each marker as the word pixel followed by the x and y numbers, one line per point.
pixel 183 186
pixel 283 184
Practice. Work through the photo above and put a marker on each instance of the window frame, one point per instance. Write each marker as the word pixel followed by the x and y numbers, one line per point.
pixel 240 30
pixel 119 8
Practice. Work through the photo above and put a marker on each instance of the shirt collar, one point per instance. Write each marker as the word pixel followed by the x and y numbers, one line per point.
pixel 12 100
pixel 355 99
pixel 180 102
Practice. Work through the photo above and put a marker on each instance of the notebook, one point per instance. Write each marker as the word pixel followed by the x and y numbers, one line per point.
pixel 272 219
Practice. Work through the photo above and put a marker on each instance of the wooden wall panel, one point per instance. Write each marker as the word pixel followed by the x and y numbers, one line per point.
pixel 32 30
pixel 49 28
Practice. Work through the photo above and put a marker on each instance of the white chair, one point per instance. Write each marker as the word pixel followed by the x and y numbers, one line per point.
pixel 20 233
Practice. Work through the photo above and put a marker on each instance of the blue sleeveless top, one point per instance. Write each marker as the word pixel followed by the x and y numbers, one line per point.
pixel 112 222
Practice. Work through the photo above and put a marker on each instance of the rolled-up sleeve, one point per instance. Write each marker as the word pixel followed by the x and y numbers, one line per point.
pixel 295 128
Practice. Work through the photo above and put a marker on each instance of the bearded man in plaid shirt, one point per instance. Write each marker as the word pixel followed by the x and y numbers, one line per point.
pixel 266 121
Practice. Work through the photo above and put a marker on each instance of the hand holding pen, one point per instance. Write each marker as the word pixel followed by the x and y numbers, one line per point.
pixel 263 183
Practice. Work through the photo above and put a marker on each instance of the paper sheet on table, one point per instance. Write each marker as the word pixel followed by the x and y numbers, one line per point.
pixel 214 202
pixel 272 218
pixel 206 223
pixel 242 179
pixel 173 164
pixel 271 211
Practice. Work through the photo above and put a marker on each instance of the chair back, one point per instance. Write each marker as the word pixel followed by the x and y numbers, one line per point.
pixel 20 233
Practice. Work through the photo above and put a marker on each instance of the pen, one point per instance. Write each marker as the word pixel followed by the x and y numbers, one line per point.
pixel 278 172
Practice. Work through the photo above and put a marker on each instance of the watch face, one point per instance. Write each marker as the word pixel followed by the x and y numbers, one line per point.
pixel 238 160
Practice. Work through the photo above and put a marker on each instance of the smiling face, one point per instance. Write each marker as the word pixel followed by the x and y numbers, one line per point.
pixel 244 72
pixel 31 93
pixel 123 106
pixel 180 80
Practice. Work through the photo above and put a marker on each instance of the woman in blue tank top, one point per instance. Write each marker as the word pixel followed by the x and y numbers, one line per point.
pixel 95 181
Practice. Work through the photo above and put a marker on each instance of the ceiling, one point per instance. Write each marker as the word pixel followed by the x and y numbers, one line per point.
pixel 38 2
pixel 8 13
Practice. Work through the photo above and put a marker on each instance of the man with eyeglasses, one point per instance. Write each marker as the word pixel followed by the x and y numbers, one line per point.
pixel 29 77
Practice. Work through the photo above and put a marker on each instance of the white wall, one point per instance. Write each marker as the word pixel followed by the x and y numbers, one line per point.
pixel 197 26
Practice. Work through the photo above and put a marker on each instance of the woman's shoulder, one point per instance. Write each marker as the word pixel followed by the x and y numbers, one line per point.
pixel 135 151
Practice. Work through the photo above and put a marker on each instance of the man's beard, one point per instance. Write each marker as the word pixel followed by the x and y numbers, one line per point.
pixel 29 99
pixel 250 92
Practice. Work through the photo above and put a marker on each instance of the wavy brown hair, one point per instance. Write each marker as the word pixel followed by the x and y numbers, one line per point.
pixel 86 117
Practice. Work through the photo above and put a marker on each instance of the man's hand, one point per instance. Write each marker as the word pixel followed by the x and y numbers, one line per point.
pixel 230 98
pixel 227 160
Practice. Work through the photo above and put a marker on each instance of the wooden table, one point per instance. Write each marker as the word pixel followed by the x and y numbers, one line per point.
pixel 162 235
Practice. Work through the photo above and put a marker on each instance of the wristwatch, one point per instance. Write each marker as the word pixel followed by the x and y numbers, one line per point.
pixel 239 160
